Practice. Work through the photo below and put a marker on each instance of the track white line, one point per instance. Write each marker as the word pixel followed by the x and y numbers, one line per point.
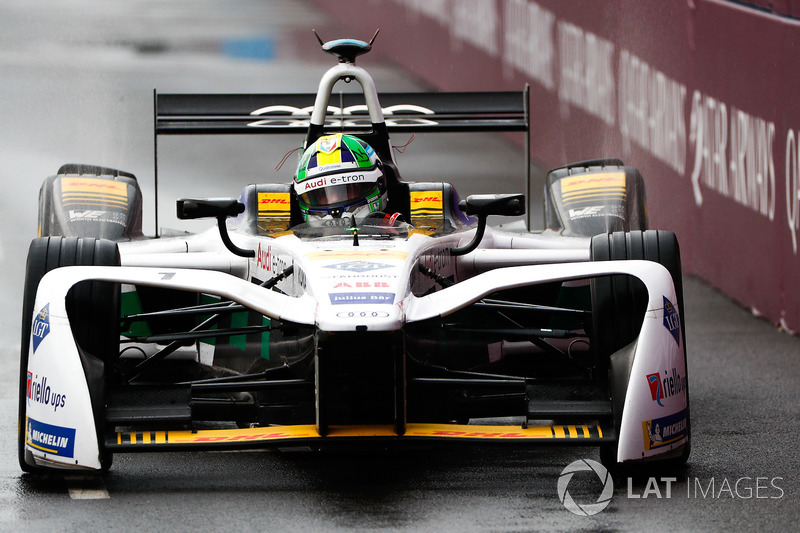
pixel 83 487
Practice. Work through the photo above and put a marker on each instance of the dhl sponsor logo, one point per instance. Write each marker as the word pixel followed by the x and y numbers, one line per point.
pixel 258 436
pixel 505 432
pixel 360 254
pixel 270 204
pixel 593 181
pixel 94 192
pixel 116 188
pixel 212 436
pixel 578 189
pixel 438 431
pixel 426 201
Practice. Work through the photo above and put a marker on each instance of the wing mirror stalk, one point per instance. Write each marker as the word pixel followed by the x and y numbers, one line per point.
pixel 219 208
pixel 483 205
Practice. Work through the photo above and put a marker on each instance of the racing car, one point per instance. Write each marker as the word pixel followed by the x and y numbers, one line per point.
pixel 288 323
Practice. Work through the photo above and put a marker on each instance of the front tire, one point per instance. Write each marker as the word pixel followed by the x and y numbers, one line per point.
pixel 618 306
pixel 94 313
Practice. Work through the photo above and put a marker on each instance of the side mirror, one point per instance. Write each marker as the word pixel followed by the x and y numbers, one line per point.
pixel 483 205
pixel 509 205
pixel 192 208
pixel 219 208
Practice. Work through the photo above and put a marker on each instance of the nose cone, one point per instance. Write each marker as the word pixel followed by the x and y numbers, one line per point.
pixel 359 289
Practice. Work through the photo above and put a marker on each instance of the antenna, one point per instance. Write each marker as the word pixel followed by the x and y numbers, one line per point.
pixel 373 37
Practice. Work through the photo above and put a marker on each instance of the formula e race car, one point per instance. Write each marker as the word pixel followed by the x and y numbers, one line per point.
pixel 351 306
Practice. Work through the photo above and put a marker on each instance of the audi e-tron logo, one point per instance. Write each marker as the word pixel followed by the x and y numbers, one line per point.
pixel 585 509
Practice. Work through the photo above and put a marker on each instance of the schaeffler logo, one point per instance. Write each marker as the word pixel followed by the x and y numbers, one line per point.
pixel 585 509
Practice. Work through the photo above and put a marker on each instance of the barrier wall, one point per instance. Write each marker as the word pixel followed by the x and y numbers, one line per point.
pixel 700 95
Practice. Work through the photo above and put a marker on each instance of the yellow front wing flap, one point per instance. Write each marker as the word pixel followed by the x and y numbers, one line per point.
pixel 255 437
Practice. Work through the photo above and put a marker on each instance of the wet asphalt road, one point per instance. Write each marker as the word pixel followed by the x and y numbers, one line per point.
pixel 76 82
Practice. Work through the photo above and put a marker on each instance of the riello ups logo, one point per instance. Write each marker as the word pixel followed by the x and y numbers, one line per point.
pixel 39 391
pixel 665 385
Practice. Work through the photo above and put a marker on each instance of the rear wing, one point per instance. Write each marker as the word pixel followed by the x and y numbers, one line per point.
pixel 193 114
pixel 223 114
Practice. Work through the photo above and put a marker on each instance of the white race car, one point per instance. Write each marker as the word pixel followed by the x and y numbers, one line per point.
pixel 302 319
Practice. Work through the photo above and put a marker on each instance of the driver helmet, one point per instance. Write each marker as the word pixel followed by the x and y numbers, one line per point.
pixel 340 174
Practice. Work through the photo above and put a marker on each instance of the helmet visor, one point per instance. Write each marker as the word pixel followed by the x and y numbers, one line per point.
pixel 337 195
pixel 339 190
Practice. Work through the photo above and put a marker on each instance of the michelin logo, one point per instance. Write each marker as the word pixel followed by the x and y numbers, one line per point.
pixel 664 431
pixel 52 439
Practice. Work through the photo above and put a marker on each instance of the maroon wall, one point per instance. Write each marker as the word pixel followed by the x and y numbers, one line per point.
pixel 701 95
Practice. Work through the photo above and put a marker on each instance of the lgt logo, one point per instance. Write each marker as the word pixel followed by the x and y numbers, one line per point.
pixel 41 326
pixel 672 320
